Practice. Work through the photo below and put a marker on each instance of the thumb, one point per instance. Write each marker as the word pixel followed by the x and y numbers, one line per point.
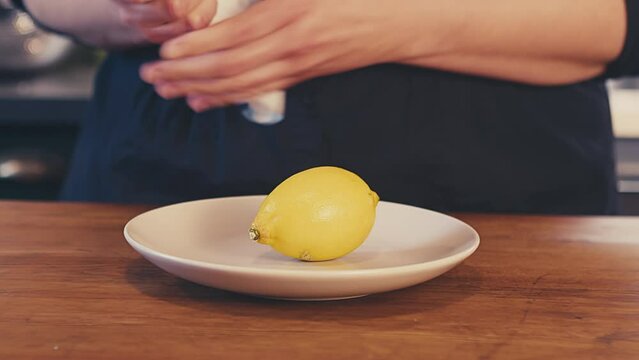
pixel 197 13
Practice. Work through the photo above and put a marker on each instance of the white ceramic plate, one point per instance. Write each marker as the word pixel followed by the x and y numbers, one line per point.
pixel 207 242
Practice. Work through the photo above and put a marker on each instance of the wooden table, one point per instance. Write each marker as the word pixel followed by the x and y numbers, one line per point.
pixel 537 288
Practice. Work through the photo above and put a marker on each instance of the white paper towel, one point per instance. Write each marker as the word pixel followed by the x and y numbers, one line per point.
pixel 265 109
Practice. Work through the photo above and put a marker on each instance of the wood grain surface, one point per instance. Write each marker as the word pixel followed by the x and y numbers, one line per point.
pixel 537 288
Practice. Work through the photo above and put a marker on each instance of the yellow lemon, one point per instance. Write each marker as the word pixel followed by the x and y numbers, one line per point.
pixel 315 215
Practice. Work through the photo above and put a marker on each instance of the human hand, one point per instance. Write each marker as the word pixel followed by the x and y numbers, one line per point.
pixel 161 20
pixel 274 45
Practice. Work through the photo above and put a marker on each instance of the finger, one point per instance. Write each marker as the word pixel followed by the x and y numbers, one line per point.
pixel 306 66
pixel 223 63
pixel 215 65
pixel 244 82
pixel 258 21
pixel 162 33
pixel 181 8
pixel 201 103
pixel 202 15
pixel 243 97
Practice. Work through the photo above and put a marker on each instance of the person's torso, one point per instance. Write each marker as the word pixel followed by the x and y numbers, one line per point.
pixel 428 138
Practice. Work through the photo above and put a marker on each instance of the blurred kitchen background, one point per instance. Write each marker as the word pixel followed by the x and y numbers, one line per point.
pixel 46 81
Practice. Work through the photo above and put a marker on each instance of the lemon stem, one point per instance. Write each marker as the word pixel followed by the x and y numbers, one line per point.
pixel 254 234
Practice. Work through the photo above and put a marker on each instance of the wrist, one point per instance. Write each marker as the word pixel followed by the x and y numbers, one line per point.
pixel 429 29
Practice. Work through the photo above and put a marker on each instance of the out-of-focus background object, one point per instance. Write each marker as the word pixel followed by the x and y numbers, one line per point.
pixel 46 82
pixel 624 105
pixel 25 47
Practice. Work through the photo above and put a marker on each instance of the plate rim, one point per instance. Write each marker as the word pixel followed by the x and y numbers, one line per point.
pixel 408 268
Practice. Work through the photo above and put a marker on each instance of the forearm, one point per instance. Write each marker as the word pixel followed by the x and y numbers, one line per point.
pixel 95 22
pixel 534 41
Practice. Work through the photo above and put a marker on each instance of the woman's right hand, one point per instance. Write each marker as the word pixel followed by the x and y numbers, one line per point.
pixel 161 20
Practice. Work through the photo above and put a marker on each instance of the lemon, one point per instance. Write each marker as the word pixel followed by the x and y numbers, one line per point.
pixel 318 214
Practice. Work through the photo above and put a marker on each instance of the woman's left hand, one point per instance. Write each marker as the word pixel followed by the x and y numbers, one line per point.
pixel 274 45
